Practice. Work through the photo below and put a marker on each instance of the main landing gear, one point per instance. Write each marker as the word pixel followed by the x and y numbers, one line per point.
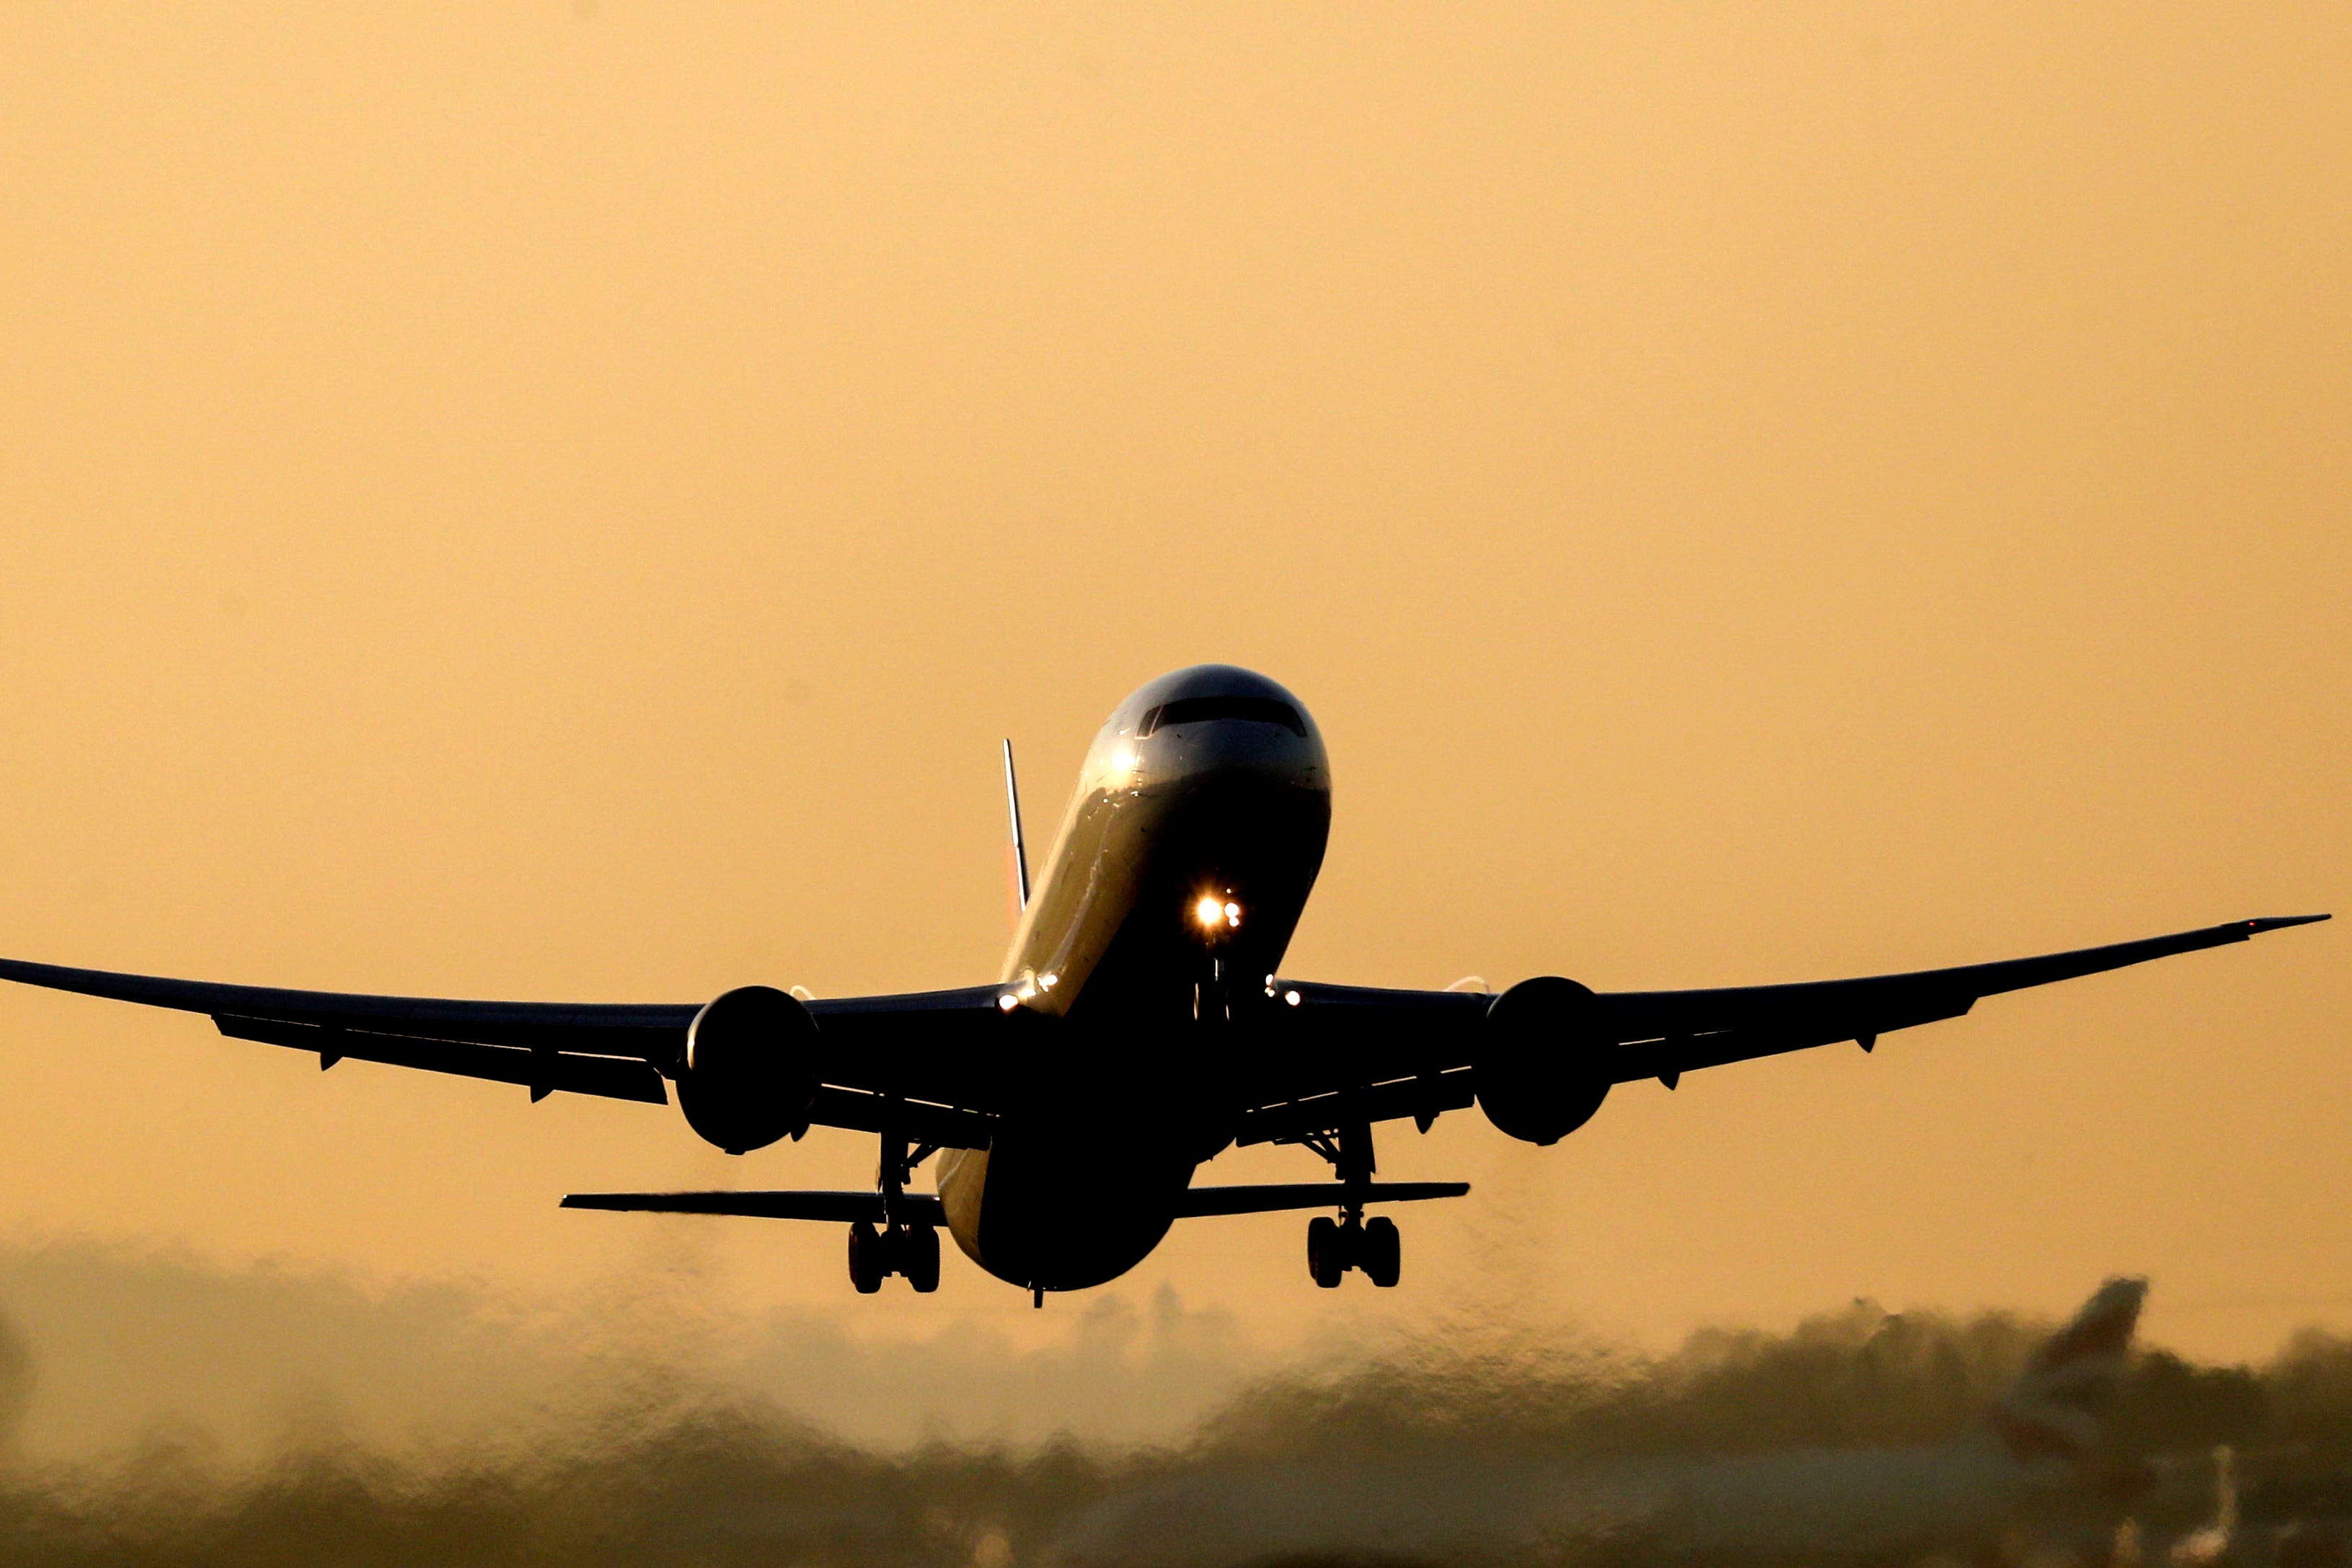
pixel 897 1246
pixel 876 1253
pixel 1350 1241
pixel 1335 1245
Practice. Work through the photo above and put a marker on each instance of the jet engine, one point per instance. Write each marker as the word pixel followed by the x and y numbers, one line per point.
pixel 750 1074
pixel 1539 1072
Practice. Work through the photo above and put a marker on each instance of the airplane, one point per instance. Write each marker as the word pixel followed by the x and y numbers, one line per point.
pixel 1141 1027
pixel 2036 1470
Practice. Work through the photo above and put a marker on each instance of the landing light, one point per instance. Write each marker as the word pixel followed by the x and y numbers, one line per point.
pixel 1008 1002
pixel 1290 998
pixel 1214 914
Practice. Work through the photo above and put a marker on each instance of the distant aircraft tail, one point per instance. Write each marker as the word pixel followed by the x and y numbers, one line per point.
pixel 2056 1406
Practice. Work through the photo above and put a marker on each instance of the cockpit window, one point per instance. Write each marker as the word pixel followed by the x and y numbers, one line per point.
pixel 1199 710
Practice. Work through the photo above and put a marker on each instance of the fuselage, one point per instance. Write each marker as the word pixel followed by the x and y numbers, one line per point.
pixel 1164 907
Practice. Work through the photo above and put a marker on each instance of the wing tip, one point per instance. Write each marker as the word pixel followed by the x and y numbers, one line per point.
pixel 2281 922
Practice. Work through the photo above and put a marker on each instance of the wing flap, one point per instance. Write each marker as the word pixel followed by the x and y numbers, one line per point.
pixel 1674 1055
pixel 542 1071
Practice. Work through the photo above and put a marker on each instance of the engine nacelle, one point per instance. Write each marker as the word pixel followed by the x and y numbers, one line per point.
pixel 749 1077
pixel 1538 1071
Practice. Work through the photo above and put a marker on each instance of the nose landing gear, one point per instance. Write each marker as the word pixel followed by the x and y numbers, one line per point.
pixel 1334 1247
pixel 875 1254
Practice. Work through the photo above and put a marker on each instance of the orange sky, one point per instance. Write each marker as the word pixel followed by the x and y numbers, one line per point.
pixel 559 503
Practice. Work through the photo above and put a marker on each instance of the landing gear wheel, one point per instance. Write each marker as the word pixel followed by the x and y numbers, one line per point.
pixel 920 1259
pixel 1381 1253
pixel 1327 1251
pixel 869 1258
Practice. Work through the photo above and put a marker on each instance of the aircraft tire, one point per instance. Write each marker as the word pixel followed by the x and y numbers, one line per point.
pixel 922 1263
pixel 1383 1252
pixel 868 1261
pixel 1326 1257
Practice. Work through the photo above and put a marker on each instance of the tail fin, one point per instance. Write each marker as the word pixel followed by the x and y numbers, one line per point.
pixel 2055 1406
pixel 1018 864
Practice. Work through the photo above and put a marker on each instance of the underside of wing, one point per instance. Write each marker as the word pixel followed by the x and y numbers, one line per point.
pixel 852 1207
pixel 544 1070
pixel 906 1063
pixel 1662 1034
pixel 1343 1054
pixel 924 1209
pixel 618 1050
pixel 1275 1197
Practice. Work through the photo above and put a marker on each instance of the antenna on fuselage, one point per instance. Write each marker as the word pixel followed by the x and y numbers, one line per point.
pixel 1020 844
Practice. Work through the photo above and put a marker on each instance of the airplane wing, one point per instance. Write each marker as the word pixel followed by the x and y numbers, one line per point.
pixel 924 1207
pixel 1343 1054
pixel 1347 1053
pixel 908 1047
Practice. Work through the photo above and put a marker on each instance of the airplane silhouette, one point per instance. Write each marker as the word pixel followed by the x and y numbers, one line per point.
pixel 1141 1025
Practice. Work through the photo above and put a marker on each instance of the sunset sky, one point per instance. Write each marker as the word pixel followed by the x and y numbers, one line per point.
pixel 560 501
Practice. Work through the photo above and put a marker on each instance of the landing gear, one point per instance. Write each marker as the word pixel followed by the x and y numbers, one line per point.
pixel 1381 1254
pixel 867 1264
pixel 896 1246
pixel 920 1259
pixel 1350 1241
pixel 875 1254
pixel 1327 1252
pixel 1334 1247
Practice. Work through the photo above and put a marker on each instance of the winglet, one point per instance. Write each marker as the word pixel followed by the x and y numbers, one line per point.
pixel 2281 922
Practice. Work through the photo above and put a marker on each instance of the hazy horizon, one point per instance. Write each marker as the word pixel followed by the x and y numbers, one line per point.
pixel 261 1415
pixel 108 1346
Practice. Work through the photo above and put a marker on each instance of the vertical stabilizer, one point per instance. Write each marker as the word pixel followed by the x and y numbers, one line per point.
pixel 1020 850
pixel 2055 1407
